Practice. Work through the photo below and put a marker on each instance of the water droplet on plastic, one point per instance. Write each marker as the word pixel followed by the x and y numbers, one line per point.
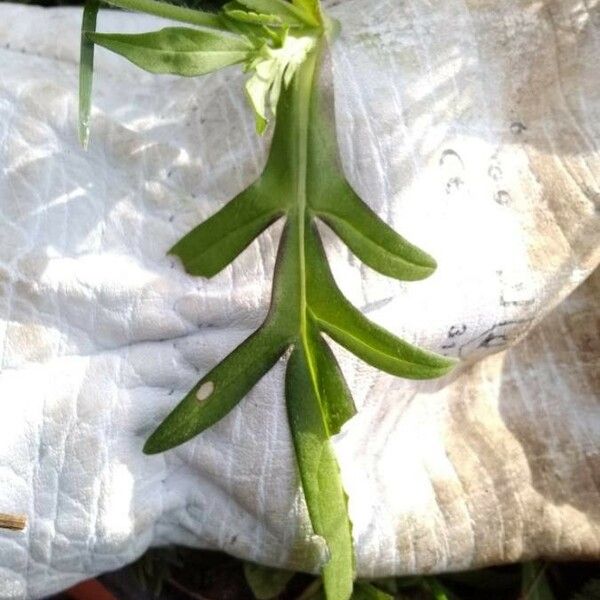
pixel 517 128
pixel 503 198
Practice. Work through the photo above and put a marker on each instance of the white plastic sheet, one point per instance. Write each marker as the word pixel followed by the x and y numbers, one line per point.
pixel 470 126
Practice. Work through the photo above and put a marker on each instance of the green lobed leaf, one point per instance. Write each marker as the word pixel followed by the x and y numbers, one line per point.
pixel 303 181
pixel 305 301
pixel 319 472
pixel 86 70
pixel 178 50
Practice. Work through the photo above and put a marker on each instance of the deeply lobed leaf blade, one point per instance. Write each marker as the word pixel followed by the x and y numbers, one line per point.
pixel 178 50
pixel 303 179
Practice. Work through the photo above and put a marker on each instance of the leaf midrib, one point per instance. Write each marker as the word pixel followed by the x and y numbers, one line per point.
pixel 306 82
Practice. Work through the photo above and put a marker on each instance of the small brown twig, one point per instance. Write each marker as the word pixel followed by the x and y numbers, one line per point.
pixel 13 522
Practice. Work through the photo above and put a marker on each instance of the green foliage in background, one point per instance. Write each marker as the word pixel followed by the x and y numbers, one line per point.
pixel 208 574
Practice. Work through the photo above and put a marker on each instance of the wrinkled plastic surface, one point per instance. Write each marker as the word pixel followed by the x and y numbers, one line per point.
pixel 473 128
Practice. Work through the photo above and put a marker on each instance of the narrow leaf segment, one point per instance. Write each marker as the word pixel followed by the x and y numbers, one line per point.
pixel 285 47
pixel 178 50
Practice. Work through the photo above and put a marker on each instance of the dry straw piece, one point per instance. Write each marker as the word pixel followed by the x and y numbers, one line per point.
pixel 14 522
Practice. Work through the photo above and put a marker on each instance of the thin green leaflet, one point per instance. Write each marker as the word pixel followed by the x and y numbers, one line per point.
pixel 302 183
pixel 182 50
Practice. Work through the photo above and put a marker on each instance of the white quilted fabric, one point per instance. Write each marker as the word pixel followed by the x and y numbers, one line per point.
pixel 473 127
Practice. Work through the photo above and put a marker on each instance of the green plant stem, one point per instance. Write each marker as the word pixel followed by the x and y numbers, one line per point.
pixel 305 84
pixel 86 70
pixel 311 368
pixel 170 11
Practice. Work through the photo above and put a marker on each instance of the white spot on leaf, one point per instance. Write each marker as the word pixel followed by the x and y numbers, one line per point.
pixel 205 391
